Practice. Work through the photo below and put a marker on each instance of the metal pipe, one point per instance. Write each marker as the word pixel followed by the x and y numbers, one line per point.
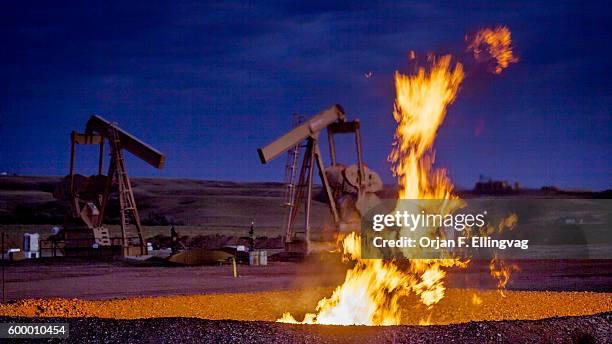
pixel 234 265
pixel 359 156
pixel 332 147
pixel 3 263
pixel 101 157
pixel 312 142
pixel 72 139
pixel 326 187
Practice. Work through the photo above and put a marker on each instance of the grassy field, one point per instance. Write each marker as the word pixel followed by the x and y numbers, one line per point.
pixel 195 207
pixel 214 204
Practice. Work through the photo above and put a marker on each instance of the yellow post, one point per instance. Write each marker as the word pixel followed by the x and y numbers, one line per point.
pixel 234 264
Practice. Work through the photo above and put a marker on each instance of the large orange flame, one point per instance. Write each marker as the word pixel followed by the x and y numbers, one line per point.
pixel 373 287
pixel 420 108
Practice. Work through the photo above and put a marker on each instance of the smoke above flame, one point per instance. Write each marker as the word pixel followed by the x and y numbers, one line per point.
pixel 497 43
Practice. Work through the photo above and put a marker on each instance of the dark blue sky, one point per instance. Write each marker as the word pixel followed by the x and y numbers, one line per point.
pixel 209 83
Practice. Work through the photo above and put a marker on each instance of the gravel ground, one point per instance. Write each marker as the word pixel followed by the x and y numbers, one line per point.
pixel 459 306
pixel 585 329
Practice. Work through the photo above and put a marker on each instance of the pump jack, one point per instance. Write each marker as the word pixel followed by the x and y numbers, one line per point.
pixel 364 181
pixel 89 196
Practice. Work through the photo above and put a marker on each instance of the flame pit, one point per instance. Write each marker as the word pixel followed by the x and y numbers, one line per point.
pixel 458 307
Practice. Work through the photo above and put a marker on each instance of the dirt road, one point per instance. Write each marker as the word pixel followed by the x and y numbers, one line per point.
pixel 103 280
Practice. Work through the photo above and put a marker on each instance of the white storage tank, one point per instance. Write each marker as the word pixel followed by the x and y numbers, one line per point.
pixel 263 257
pixel 253 258
pixel 259 257
pixel 31 245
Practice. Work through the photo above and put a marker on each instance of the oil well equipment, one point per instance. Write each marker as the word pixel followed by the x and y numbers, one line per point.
pixel 88 198
pixel 349 189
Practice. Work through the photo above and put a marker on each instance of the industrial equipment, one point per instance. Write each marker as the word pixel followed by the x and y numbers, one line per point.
pixel 31 245
pixel 349 190
pixel 89 196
